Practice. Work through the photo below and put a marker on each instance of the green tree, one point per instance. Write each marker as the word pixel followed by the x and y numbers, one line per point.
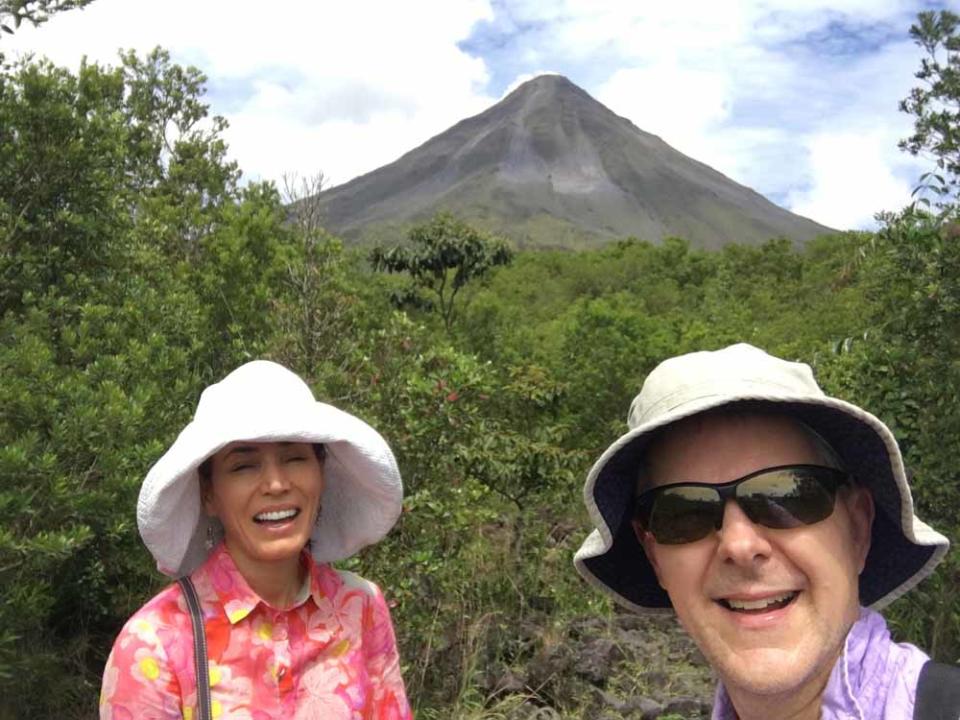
pixel 903 363
pixel 442 256
pixel 935 105
pixel 87 159
pixel 134 272
pixel 34 11
pixel 903 368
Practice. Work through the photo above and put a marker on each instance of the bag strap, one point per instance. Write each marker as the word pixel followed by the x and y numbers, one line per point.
pixel 938 692
pixel 201 665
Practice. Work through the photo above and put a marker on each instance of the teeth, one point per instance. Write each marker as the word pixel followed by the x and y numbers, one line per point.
pixel 759 604
pixel 275 515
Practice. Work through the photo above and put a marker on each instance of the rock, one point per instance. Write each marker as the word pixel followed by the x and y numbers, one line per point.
pixel 551 663
pixel 596 659
pixel 588 627
pixel 526 711
pixel 685 706
pixel 609 700
pixel 621 667
pixel 646 708
pixel 656 679
pixel 506 683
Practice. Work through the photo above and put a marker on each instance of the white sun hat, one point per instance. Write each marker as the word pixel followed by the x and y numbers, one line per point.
pixel 262 401
pixel 903 550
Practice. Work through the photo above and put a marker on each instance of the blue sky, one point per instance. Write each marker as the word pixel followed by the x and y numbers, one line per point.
pixel 794 98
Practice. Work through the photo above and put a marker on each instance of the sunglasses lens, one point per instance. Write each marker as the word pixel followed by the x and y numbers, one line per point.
pixel 786 498
pixel 684 514
pixel 780 498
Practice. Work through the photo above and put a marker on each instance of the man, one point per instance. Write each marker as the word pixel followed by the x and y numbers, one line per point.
pixel 771 518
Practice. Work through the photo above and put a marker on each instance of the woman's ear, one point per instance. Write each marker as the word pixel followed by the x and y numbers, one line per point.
pixel 208 504
pixel 205 478
pixel 206 496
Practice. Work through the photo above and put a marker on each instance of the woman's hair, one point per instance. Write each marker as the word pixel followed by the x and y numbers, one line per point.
pixel 205 470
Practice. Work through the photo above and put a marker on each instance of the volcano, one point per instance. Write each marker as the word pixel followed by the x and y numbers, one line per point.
pixel 550 166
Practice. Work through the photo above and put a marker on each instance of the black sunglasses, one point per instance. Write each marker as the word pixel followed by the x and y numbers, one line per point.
pixel 780 497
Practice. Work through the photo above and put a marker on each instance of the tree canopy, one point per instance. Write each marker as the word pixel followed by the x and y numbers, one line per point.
pixel 935 103
pixel 441 257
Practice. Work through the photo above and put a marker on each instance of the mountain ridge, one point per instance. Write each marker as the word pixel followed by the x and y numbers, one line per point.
pixel 549 165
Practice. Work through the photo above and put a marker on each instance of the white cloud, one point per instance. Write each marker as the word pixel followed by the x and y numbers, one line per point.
pixel 583 28
pixel 340 87
pixel 852 180
pixel 679 104
pixel 851 167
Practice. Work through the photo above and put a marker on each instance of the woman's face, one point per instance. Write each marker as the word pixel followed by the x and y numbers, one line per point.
pixel 267 496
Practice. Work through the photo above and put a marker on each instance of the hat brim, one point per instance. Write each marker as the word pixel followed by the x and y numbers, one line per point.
pixel 903 550
pixel 362 495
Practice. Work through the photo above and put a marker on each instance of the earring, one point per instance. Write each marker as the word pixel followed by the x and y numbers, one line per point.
pixel 211 540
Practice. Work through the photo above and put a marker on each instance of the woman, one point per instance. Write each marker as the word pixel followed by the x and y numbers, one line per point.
pixel 259 492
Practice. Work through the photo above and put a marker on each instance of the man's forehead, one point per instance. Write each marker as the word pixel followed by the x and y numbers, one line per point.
pixel 710 447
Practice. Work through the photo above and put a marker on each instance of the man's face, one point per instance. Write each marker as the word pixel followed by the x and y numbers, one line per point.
pixel 808 575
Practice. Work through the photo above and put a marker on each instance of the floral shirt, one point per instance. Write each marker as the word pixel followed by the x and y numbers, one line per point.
pixel 332 656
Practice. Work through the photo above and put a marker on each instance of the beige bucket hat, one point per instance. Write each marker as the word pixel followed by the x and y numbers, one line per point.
pixel 904 550
pixel 263 401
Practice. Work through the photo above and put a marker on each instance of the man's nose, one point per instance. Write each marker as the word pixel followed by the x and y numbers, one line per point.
pixel 742 541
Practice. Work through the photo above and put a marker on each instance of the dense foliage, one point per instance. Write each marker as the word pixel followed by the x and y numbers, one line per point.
pixel 135 269
pixel 935 103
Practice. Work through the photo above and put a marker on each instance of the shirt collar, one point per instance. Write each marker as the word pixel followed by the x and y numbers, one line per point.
pixel 237 597
pixel 844 685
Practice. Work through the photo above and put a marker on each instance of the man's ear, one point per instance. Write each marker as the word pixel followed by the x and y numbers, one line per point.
pixel 645 538
pixel 861 510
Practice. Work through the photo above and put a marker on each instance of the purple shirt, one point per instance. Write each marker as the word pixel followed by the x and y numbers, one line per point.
pixel 874 679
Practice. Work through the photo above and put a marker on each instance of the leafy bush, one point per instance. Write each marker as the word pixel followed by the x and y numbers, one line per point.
pixel 135 271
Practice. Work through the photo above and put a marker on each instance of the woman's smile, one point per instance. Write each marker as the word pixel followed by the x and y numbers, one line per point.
pixel 267 497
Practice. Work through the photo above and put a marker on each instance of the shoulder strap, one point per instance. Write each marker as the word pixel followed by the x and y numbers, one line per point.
pixel 201 666
pixel 938 692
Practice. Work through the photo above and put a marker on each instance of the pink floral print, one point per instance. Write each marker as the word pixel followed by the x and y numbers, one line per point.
pixel 333 657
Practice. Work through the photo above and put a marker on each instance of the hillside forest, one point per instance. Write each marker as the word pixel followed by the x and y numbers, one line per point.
pixel 137 267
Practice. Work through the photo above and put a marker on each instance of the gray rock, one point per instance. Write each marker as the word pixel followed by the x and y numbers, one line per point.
pixel 611 701
pixel 646 708
pixel 507 683
pixel 551 662
pixel 596 660
pixel 686 706
pixel 656 679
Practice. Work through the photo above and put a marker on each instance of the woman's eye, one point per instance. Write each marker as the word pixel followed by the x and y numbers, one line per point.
pixel 242 467
pixel 296 458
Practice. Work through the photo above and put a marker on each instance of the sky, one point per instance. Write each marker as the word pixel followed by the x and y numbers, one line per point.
pixel 796 99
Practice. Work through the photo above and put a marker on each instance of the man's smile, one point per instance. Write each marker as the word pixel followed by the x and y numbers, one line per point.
pixel 758 604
